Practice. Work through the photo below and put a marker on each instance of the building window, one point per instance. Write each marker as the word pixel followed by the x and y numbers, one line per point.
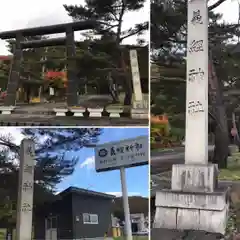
pixel 51 222
pixel 90 218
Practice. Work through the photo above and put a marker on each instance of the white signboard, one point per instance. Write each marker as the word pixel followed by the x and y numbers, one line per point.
pixel 126 153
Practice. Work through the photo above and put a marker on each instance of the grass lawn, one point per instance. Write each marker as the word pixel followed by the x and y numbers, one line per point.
pixel 3 232
pixel 233 171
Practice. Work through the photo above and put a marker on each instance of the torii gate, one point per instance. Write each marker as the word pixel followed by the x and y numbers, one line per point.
pixel 68 41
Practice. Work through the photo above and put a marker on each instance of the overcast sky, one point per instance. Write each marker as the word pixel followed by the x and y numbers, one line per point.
pixel 26 13
pixel 229 9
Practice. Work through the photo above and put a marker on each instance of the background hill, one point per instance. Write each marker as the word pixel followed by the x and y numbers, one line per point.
pixel 137 204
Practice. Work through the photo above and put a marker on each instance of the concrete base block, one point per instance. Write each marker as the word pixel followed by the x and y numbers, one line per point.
pixel 139 116
pixel 165 218
pixel 114 112
pixel 199 211
pixel 139 113
pixel 114 115
pixel 194 178
pixel 60 112
pixel 191 219
pixel 212 221
pixel 188 219
pixel 5 110
pixel 78 112
pixel 95 112
pixel 209 201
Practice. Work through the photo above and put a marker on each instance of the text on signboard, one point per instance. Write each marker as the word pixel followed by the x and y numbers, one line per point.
pixel 128 148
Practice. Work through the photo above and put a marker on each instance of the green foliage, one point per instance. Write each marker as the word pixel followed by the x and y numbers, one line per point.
pixel 232 173
pixel 164 136
pixel 110 15
pixel 233 222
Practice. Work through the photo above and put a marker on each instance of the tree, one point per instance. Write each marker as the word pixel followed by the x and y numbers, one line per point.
pixel 111 13
pixel 168 41
pixel 52 164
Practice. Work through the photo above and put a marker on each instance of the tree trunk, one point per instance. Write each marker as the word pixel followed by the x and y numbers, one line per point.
pixel 221 150
pixel 113 89
pixel 234 126
pixel 127 81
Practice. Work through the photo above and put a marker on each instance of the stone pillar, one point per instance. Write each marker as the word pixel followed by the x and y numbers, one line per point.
pixel 25 193
pixel 14 74
pixel 195 202
pixel 72 80
pixel 140 106
pixel 137 89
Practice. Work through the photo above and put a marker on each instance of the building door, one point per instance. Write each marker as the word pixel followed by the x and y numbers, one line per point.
pixel 51 228
pixel 134 227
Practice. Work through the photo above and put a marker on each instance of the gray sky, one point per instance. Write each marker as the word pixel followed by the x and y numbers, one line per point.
pixel 229 9
pixel 27 13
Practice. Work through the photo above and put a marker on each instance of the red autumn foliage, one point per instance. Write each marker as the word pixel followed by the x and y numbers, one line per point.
pixel 54 74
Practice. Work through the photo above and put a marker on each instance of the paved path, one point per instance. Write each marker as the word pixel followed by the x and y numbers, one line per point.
pixel 36 108
pixel 163 161
pixel 84 101
pixel 165 234
pixel 35 114
pixel 51 120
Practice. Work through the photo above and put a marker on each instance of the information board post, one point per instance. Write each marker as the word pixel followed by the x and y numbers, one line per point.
pixel 120 155
pixel 128 227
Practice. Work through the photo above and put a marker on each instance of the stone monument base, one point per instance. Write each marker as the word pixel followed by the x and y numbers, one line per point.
pixel 194 201
pixel 140 110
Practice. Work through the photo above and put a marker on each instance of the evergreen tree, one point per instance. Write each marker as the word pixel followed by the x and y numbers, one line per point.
pixel 111 13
